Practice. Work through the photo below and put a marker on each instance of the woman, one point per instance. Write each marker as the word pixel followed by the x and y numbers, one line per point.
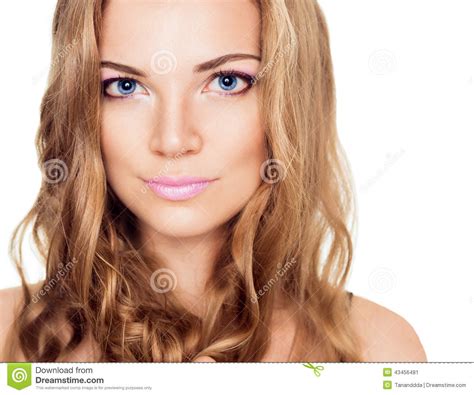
pixel 195 201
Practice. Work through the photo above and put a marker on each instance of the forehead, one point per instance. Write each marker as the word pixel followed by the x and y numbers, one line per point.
pixel 193 30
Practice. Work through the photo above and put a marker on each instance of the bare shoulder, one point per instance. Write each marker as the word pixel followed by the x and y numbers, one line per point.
pixel 11 300
pixel 384 334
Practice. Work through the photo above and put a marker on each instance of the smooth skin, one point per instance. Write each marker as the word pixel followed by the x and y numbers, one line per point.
pixel 176 121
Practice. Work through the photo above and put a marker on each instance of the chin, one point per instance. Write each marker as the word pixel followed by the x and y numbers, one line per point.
pixel 182 222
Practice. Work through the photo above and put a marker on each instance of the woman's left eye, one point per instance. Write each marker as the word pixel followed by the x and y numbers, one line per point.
pixel 122 88
pixel 229 83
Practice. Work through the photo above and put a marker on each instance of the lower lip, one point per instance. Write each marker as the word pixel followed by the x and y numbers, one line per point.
pixel 181 192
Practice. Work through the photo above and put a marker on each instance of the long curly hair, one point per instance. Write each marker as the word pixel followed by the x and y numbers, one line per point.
pixel 296 229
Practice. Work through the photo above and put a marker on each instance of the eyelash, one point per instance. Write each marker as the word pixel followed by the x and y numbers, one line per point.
pixel 221 73
pixel 232 72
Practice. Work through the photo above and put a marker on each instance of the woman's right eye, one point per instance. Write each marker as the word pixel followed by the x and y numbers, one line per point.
pixel 122 88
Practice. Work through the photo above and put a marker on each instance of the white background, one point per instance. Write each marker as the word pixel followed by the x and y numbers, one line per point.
pixel 405 102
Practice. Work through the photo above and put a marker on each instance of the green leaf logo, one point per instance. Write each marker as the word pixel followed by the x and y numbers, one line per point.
pixel 316 369
pixel 387 385
pixel 19 375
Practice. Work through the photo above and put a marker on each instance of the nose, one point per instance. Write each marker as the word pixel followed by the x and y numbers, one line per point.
pixel 174 130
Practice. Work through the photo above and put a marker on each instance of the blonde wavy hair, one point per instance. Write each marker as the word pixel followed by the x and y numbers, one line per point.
pixel 305 218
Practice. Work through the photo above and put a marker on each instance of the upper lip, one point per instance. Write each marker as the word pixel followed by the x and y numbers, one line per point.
pixel 177 181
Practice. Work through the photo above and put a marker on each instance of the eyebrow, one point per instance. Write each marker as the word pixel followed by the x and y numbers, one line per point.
pixel 122 67
pixel 213 63
pixel 208 65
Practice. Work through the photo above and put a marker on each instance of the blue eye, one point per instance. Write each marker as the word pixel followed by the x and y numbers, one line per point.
pixel 126 87
pixel 228 81
pixel 121 88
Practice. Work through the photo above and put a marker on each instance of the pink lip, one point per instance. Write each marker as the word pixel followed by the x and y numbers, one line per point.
pixel 178 188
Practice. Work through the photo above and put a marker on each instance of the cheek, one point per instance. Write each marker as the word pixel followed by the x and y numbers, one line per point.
pixel 234 131
pixel 242 152
pixel 121 132
pixel 247 139
pixel 246 160
pixel 120 136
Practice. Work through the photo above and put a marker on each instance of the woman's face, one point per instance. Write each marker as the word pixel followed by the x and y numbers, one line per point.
pixel 171 117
